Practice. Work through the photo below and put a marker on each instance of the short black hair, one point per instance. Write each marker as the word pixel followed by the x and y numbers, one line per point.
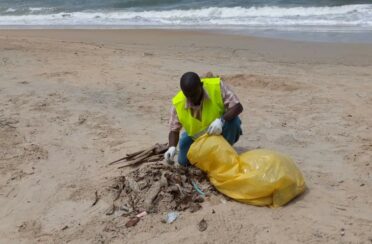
pixel 190 81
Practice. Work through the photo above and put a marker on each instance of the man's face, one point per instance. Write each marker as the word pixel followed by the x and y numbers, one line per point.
pixel 194 96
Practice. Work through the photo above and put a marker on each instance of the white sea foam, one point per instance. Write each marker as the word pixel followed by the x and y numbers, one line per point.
pixel 347 15
pixel 10 10
pixel 36 9
pixel 39 10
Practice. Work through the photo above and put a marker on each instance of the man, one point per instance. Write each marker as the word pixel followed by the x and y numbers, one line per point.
pixel 202 106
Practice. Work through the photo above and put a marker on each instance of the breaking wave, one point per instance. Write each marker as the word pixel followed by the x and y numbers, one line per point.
pixel 346 15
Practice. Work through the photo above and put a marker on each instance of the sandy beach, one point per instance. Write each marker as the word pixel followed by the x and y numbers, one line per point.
pixel 71 101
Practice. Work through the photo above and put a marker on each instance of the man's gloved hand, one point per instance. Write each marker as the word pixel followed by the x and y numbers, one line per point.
pixel 169 154
pixel 216 127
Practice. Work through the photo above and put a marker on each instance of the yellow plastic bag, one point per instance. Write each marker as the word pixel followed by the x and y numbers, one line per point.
pixel 259 177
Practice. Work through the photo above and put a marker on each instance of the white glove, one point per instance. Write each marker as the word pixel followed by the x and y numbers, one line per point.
pixel 169 154
pixel 216 127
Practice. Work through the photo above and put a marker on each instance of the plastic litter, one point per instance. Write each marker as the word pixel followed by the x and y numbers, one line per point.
pixel 132 222
pixel 171 217
pixel 142 214
pixel 197 188
pixel 258 177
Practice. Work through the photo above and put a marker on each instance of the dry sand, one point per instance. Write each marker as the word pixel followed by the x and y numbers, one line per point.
pixel 71 101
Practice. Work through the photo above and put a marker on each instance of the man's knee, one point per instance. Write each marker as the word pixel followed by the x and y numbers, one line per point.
pixel 235 122
pixel 182 160
pixel 233 125
pixel 185 142
pixel 232 130
pixel 184 146
pixel 182 154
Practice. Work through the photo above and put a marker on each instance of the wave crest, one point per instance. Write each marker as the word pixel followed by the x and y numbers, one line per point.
pixel 347 15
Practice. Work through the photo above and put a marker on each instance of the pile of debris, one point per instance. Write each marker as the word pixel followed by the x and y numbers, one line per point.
pixel 156 187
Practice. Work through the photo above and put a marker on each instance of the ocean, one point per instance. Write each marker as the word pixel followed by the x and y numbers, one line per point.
pixel 250 16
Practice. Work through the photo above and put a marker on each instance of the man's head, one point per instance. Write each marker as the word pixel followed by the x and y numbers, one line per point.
pixel 192 87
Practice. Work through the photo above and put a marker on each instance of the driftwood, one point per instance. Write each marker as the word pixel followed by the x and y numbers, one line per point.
pixel 132 222
pixel 130 155
pixel 133 185
pixel 127 157
pixel 140 159
pixel 157 187
pixel 154 191
pixel 152 154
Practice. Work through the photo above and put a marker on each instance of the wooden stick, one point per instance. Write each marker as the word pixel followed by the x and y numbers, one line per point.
pixel 161 148
pixel 120 159
pixel 132 156
pixel 154 158
pixel 143 154
pixel 136 161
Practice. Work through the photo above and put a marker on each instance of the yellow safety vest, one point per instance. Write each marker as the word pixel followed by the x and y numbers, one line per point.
pixel 212 109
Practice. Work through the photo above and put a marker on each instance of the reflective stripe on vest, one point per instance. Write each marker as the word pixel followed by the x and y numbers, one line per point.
pixel 212 109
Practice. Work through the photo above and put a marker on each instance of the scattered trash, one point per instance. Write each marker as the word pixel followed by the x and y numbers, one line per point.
pixel 142 214
pixel 65 227
pixel 213 212
pixel 132 222
pixel 125 208
pixel 96 199
pixel 171 217
pixel 197 189
pixel 154 187
pixel 132 184
pixel 153 192
pixel 202 226
pixel 158 187
pixel 197 198
pixel 342 232
pixel 195 207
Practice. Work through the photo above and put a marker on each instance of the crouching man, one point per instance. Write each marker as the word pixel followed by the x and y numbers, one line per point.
pixel 202 106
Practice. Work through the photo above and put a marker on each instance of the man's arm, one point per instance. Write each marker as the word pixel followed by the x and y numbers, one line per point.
pixel 231 102
pixel 174 128
pixel 233 112
pixel 173 138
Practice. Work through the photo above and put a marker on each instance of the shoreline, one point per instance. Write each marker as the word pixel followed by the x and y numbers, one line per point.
pixel 266 49
pixel 302 34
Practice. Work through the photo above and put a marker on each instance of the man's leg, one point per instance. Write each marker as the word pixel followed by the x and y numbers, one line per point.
pixel 232 130
pixel 184 146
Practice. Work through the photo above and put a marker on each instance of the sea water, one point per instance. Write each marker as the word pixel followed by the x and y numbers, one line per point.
pixel 337 20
